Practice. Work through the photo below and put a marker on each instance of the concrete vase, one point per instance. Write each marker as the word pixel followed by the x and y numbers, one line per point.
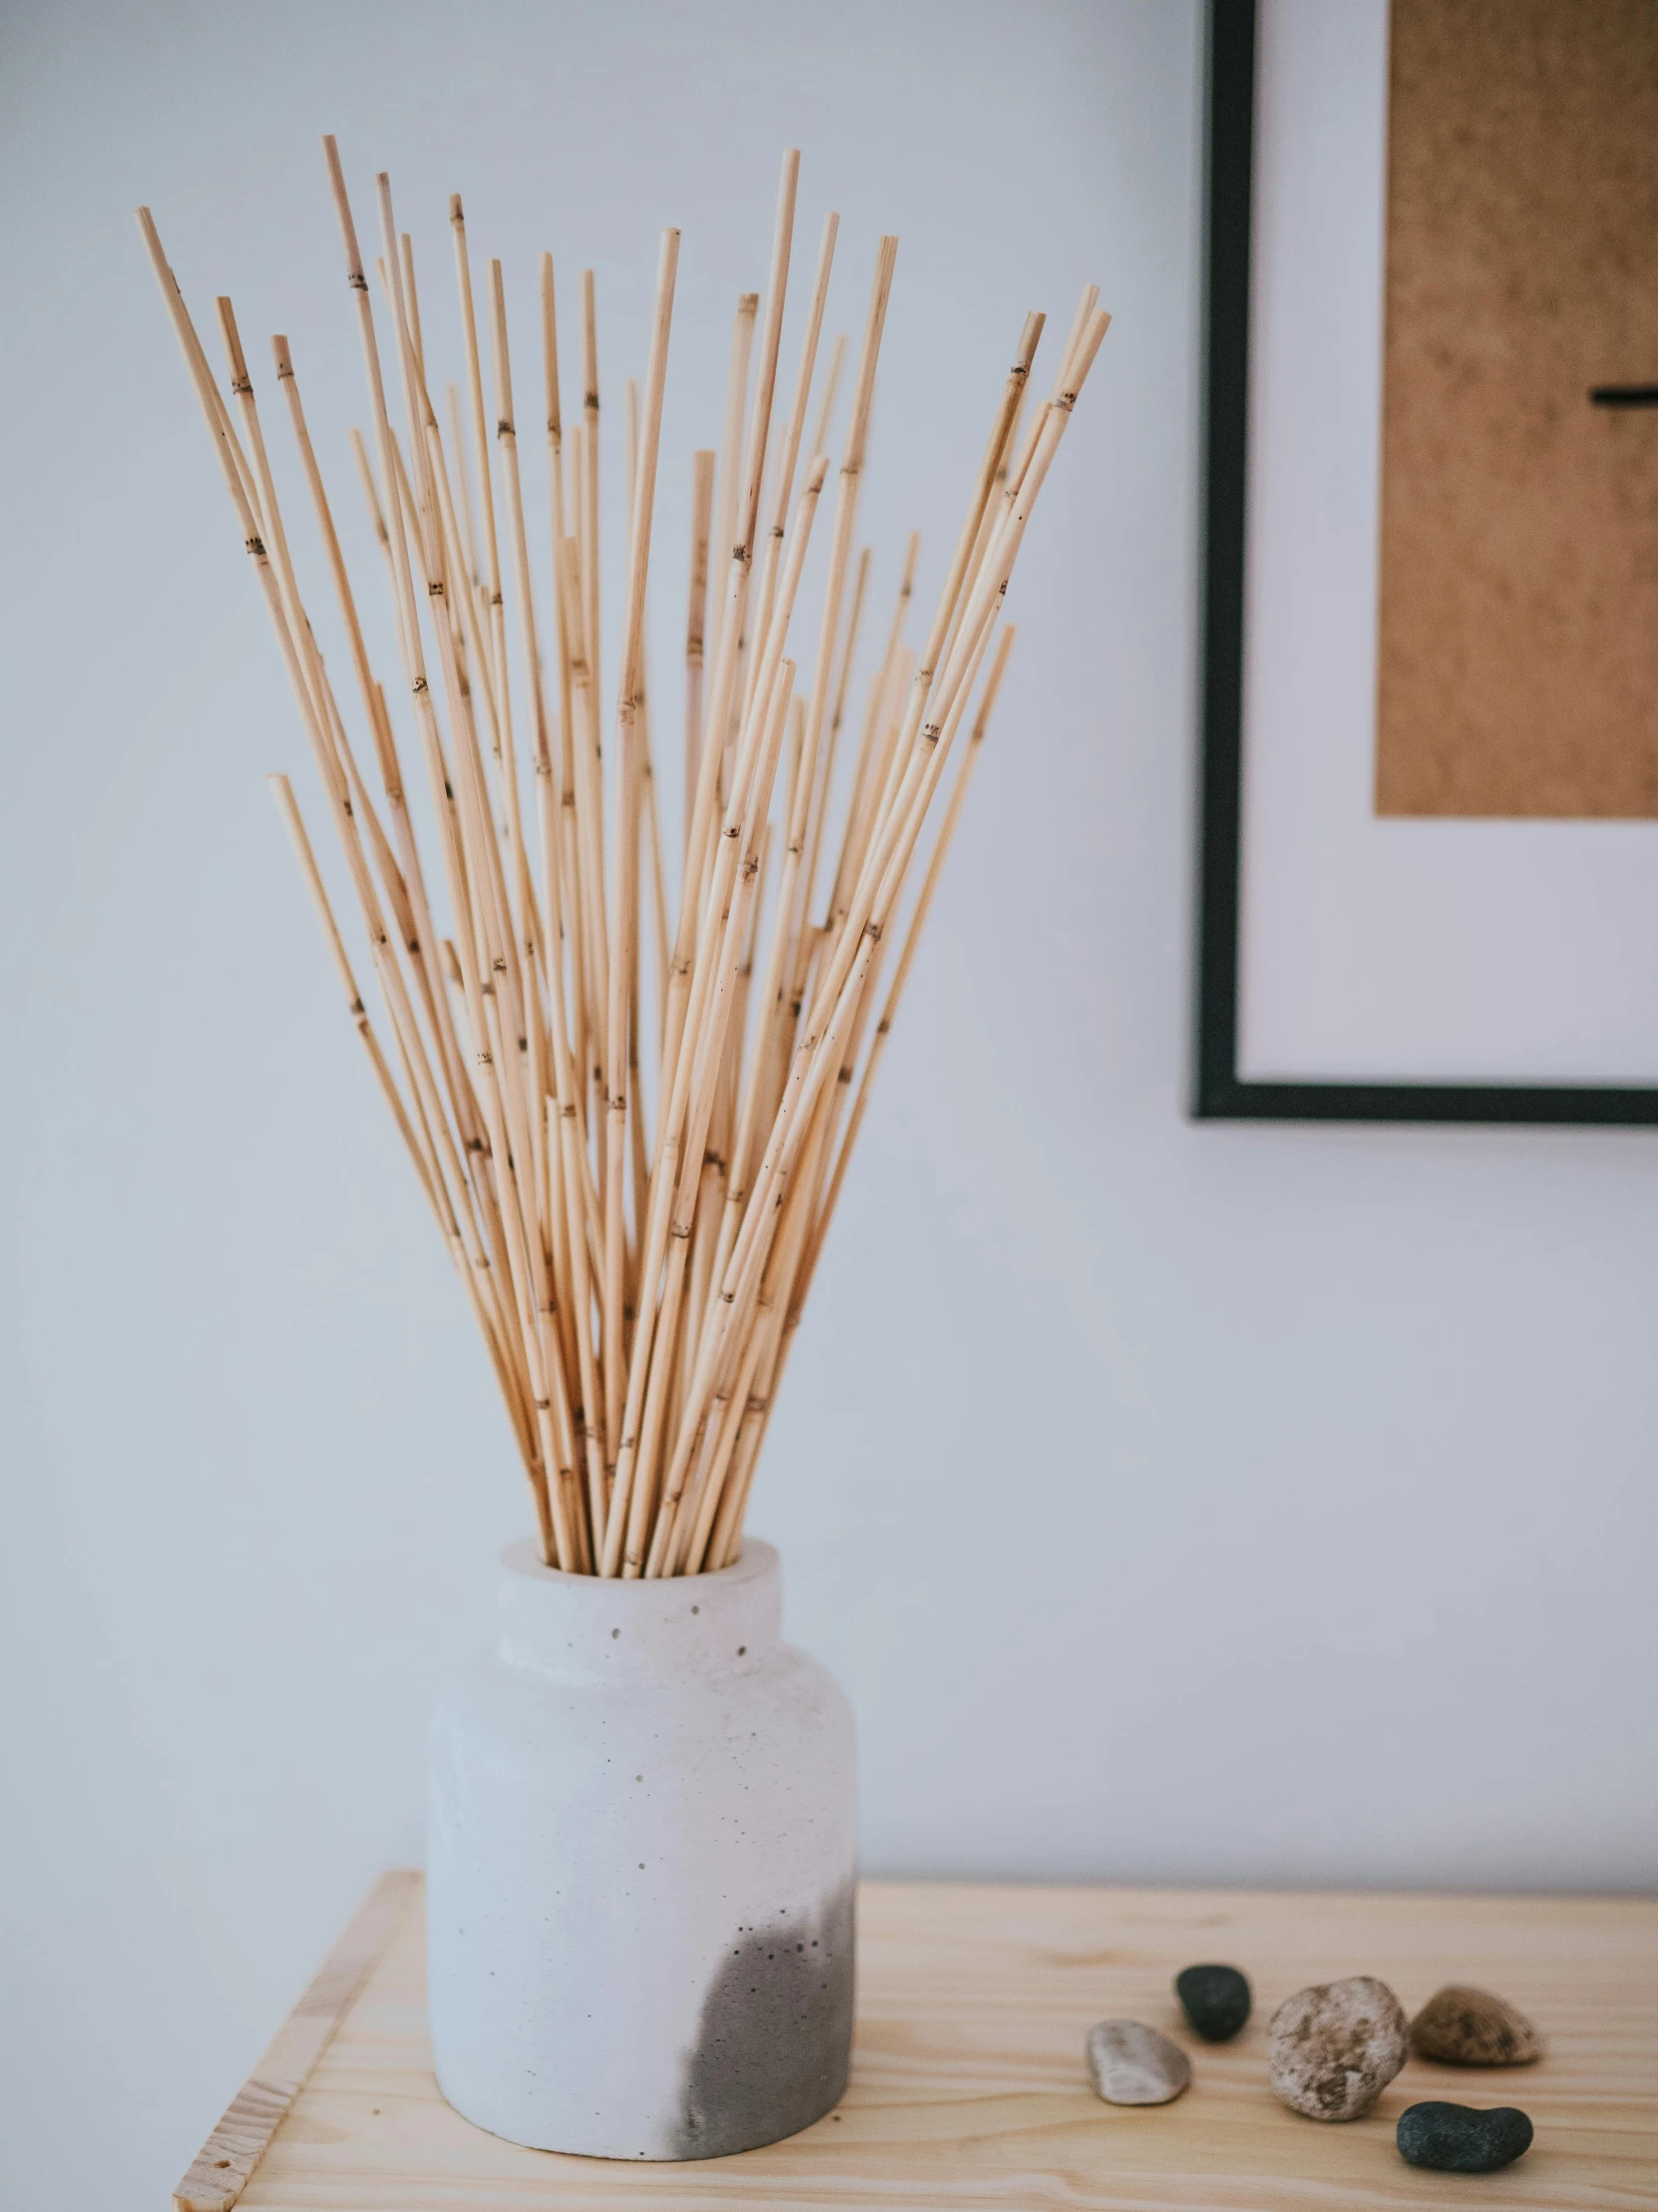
pixel 640 1868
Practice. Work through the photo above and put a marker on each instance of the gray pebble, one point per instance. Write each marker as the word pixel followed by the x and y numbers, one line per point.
pixel 1133 2064
pixel 1455 2139
pixel 1332 2049
pixel 1215 2000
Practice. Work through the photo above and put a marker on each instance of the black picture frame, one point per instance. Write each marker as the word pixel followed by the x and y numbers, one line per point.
pixel 1218 1092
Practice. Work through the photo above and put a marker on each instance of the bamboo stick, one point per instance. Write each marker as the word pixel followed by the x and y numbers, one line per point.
pixel 650 830
pixel 797 421
pixel 677 1109
pixel 586 570
pixel 425 1168
pixel 802 936
pixel 279 598
pixel 846 501
pixel 638 1279
pixel 900 973
pixel 725 692
pixel 418 1146
pixel 830 391
pixel 491 965
pixel 697 623
pixel 731 457
pixel 627 841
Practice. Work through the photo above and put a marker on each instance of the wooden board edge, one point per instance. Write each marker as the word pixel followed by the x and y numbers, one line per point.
pixel 224 2166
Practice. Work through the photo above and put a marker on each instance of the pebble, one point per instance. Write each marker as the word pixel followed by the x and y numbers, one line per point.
pixel 1455 2139
pixel 1462 2027
pixel 1214 1999
pixel 1332 2049
pixel 1133 2064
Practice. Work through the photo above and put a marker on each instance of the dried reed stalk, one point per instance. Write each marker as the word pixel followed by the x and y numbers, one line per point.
pixel 637 1276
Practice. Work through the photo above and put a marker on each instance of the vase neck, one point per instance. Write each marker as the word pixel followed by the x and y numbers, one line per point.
pixel 593 1628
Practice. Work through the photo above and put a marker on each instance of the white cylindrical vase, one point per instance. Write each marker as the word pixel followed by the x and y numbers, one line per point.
pixel 640 1865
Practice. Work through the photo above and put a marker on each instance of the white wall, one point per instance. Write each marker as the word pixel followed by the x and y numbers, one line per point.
pixel 1225 1504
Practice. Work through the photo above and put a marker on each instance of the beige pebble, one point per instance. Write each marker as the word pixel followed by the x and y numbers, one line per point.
pixel 1133 2064
pixel 1332 2049
pixel 1464 2026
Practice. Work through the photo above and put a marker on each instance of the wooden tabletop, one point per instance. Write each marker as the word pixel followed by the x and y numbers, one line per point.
pixel 968 2080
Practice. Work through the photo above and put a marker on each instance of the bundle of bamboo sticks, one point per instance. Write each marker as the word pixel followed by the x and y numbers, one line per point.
pixel 636 1277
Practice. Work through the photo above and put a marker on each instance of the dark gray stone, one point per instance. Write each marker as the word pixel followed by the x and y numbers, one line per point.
pixel 775 2037
pixel 1455 2139
pixel 1215 2000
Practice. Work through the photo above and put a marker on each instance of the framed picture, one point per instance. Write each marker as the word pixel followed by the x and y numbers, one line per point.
pixel 1428 854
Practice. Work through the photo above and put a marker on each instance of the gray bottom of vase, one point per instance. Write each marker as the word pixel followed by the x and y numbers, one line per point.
pixel 775 2037
pixel 772 2052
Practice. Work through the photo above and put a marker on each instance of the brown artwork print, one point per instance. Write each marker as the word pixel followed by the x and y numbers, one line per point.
pixel 1518 649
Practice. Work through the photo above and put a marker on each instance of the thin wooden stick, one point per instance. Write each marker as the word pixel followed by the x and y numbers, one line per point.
pixel 281 595
pixel 797 422
pixel 846 501
pixel 626 842
pixel 651 829
pixel 638 1280
pixel 586 540
pixel 900 973
pixel 831 390
pixel 423 1167
pixel 697 623
pixel 731 455
pixel 801 934
pixel 860 812
pixel 699 1051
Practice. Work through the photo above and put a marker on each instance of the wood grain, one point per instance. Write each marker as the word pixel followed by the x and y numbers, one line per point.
pixel 1518 647
pixel 219 2171
pixel 968 2088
